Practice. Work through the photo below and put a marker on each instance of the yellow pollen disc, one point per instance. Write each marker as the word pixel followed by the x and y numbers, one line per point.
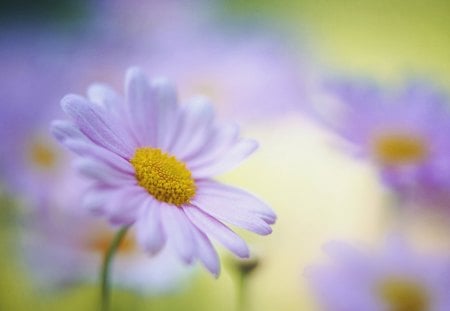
pixel 163 176
pixel 399 148
pixel 42 155
pixel 403 295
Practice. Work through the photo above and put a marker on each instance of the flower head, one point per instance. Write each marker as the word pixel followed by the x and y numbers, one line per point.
pixel 403 133
pixel 395 279
pixel 151 164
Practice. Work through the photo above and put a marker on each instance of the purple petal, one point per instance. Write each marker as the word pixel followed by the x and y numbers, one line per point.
pixel 141 106
pixel 165 98
pixel 103 173
pixel 125 208
pixel 104 96
pixel 240 199
pixel 149 231
pixel 95 201
pixel 64 130
pixel 179 231
pixel 196 120
pixel 100 154
pixel 229 160
pixel 217 230
pixel 221 139
pixel 206 252
pixel 93 121
pixel 223 209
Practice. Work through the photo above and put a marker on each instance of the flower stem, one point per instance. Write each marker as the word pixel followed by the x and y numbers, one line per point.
pixel 105 273
pixel 241 292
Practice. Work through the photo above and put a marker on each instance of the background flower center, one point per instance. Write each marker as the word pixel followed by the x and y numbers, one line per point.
pixel 100 240
pixel 163 176
pixel 403 295
pixel 42 155
pixel 399 148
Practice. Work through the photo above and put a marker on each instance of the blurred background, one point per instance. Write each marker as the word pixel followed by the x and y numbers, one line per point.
pixel 263 64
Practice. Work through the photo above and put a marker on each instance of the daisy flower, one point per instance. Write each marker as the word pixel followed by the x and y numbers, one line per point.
pixel 151 164
pixel 403 133
pixel 395 279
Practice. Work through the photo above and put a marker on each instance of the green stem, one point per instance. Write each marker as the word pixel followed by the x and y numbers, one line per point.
pixel 241 291
pixel 105 273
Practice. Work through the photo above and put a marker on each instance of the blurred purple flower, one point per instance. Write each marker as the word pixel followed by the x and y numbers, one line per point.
pixel 395 279
pixel 33 80
pixel 65 245
pixel 405 134
pixel 249 78
pixel 151 163
pixel 249 75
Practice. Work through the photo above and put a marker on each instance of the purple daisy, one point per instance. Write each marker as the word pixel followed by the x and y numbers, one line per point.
pixel 403 133
pixel 151 164
pixel 396 279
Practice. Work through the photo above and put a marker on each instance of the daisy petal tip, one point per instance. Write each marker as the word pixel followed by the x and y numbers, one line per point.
pixel 266 231
pixel 135 73
pixel 69 100
pixel 244 252
pixel 57 130
pixel 215 272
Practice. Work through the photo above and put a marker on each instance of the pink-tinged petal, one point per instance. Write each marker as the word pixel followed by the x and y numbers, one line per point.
pixel 238 199
pixel 228 161
pixel 64 130
pixel 222 138
pixel 195 127
pixel 141 106
pixel 149 231
pixel 206 252
pixel 94 122
pixel 104 96
pixel 178 231
pixel 100 154
pixel 103 173
pixel 217 230
pixel 165 97
pixel 223 209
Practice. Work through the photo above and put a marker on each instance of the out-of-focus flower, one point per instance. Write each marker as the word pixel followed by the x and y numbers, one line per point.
pixel 249 75
pixel 64 247
pixel 151 161
pixel 252 77
pixel 395 279
pixel 33 80
pixel 404 133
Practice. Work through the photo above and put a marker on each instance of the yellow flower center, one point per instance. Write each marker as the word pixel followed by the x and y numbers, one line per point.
pixel 42 155
pixel 163 176
pixel 403 295
pixel 399 148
